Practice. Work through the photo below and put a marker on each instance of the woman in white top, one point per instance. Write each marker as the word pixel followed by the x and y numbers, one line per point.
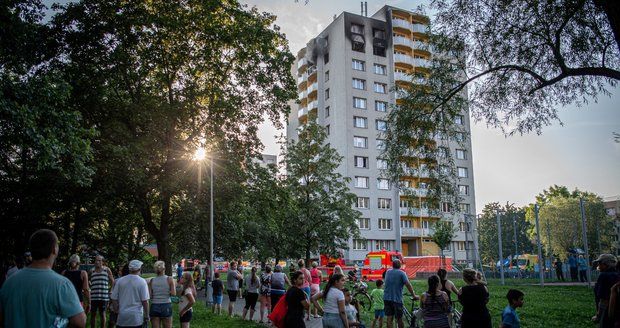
pixel 188 298
pixel 334 315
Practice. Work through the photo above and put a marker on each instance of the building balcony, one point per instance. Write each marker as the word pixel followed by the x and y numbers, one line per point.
pixel 420 46
pixel 416 192
pixel 402 41
pixel 419 28
pixel 302 95
pixel 312 88
pixel 400 76
pixel 421 62
pixel 417 212
pixel 302 63
pixel 302 78
pixel 416 232
pixel 401 23
pixel 302 112
pixel 313 105
pixel 403 59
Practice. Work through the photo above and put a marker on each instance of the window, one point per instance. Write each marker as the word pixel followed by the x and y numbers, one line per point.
pixel 381 144
pixel 378 49
pixel 458 119
pixel 359 103
pixel 462 172
pixel 360 122
pixel 459 136
pixel 448 247
pixel 460 245
pixel 360 245
pixel 381 106
pixel 384 244
pixel 445 207
pixel 363 202
pixel 406 224
pixel 326 76
pixel 361 182
pixel 461 154
pixel 326 94
pixel 361 162
pixel 380 69
pixel 358 65
pixel 360 142
pixel 464 208
pixel 383 184
pixel 327 129
pixel 326 58
pixel 425 224
pixel 463 226
pixel 463 190
pixel 327 111
pixel 385 224
pixel 380 87
pixel 382 164
pixel 384 203
pixel 358 29
pixel 443 152
pixel 379 34
pixel 381 125
pixel 363 223
pixel 359 84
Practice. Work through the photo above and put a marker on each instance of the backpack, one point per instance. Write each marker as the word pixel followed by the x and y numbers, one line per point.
pixel 279 312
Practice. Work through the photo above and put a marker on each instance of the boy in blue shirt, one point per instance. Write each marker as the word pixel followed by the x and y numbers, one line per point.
pixel 510 317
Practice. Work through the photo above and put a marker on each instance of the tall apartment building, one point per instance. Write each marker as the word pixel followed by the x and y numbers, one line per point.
pixel 612 208
pixel 345 75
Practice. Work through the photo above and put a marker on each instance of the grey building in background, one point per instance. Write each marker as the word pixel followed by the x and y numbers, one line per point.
pixel 344 76
pixel 612 208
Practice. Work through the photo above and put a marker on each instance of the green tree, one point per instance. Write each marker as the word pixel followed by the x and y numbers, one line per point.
pixel 160 79
pixel 511 218
pixel 322 219
pixel 523 60
pixel 444 232
pixel 560 214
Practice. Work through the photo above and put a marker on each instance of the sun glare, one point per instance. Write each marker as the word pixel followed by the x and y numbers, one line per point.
pixel 200 154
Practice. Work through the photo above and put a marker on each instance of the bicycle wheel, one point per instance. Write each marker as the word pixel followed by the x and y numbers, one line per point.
pixel 363 300
pixel 407 319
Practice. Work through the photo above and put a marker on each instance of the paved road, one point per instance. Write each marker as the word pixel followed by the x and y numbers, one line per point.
pixel 313 323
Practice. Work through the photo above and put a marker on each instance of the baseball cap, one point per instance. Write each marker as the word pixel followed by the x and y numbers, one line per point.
pixel 135 265
pixel 607 259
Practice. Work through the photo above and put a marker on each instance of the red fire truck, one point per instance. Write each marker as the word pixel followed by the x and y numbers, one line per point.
pixel 378 262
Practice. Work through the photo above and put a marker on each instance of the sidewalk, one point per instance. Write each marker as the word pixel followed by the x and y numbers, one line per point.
pixel 238 310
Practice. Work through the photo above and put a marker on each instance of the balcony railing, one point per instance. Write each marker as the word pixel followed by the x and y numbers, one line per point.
pixel 302 78
pixel 419 28
pixel 416 232
pixel 313 105
pixel 311 70
pixel 302 62
pixel 402 41
pixel 312 88
pixel 421 62
pixel 414 211
pixel 396 22
pixel 417 192
pixel 400 76
pixel 419 45
pixel 302 95
pixel 301 112
pixel 400 58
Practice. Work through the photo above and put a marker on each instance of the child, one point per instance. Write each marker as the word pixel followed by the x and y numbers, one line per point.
pixel 351 310
pixel 377 303
pixel 218 288
pixel 510 318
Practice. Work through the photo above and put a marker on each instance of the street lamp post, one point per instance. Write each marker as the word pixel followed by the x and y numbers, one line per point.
pixel 211 264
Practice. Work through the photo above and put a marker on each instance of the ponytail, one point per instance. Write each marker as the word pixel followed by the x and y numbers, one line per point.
pixel 332 281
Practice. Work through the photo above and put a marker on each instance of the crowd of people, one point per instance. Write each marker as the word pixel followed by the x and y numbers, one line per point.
pixel 34 295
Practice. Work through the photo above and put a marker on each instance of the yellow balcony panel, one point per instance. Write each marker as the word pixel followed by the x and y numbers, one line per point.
pixel 403 42
pixel 401 24
pixel 403 60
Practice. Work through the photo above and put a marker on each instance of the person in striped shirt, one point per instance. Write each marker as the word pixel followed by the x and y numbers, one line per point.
pixel 101 282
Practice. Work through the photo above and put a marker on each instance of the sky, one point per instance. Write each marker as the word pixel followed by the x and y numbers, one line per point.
pixel 580 154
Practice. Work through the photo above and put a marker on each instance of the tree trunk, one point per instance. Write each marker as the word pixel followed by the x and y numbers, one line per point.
pixel 77 225
pixel 307 257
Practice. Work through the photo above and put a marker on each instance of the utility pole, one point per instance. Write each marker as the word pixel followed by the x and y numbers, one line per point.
pixel 585 240
pixel 541 270
pixel 501 254
pixel 549 251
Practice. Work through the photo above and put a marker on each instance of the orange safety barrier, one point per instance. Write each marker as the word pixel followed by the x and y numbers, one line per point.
pixel 414 264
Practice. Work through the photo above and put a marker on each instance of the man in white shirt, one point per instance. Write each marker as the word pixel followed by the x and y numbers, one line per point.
pixel 130 296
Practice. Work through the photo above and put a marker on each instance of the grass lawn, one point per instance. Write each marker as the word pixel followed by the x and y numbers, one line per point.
pixel 549 307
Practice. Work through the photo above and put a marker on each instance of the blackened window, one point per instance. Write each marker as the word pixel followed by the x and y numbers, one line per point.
pixel 358 43
pixel 379 34
pixel 326 58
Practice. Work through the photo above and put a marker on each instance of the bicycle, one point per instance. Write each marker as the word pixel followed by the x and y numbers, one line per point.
pixel 412 319
pixel 361 296
pixel 455 322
